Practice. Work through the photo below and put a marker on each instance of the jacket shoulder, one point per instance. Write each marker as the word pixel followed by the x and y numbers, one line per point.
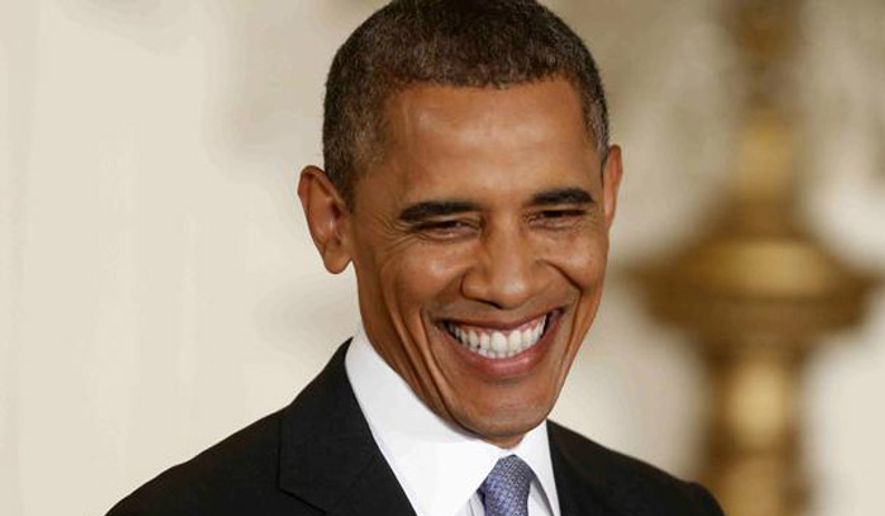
pixel 626 485
pixel 235 476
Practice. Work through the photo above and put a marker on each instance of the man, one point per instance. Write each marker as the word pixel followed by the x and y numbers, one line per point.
pixel 470 182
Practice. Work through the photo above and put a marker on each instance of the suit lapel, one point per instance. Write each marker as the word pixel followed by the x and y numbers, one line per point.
pixel 581 482
pixel 375 492
pixel 328 457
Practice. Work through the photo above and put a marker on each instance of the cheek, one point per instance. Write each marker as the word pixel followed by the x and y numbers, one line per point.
pixel 426 277
pixel 581 260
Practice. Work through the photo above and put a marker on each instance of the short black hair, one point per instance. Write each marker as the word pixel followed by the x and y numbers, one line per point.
pixel 471 43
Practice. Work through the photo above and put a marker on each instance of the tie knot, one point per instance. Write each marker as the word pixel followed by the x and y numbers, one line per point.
pixel 505 491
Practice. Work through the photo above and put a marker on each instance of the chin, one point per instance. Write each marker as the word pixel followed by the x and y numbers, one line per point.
pixel 503 424
pixel 507 435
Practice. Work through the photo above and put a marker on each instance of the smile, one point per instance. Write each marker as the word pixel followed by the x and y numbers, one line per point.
pixel 497 342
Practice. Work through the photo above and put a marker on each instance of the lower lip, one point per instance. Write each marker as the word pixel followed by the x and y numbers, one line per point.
pixel 511 367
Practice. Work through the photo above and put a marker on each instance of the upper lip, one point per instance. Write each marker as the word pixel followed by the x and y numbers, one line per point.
pixel 498 324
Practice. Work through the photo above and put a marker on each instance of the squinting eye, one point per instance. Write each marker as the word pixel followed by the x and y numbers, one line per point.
pixel 557 219
pixel 561 214
pixel 446 228
pixel 556 214
pixel 442 225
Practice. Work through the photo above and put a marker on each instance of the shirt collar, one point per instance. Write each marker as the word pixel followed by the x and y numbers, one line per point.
pixel 439 465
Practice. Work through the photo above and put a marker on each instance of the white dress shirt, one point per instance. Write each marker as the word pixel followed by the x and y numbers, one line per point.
pixel 438 465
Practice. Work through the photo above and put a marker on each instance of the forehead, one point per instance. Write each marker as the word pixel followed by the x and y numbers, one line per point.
pixel 470 136
pixel 436 114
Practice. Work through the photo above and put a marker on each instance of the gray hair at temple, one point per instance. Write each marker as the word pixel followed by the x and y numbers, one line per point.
pixel 470 43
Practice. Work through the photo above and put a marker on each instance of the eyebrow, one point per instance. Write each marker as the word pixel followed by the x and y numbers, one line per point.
pixel 570 195
pixel 429 209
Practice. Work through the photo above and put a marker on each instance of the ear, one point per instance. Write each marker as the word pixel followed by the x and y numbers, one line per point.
pixel 327 217
pixel 611 182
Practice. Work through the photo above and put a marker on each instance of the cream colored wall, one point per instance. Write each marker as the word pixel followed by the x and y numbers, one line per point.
pixel 157 284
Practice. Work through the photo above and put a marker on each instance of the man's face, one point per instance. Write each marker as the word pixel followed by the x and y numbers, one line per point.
pixel 479 242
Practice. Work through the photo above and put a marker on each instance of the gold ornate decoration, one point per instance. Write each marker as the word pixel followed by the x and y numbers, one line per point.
pixel 757 290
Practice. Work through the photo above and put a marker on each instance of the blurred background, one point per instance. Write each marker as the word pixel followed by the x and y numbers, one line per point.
pixel 158 287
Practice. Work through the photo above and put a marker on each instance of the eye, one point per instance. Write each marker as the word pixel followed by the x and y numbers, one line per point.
pixel 557 218
pixel 447 229
pixel 558 214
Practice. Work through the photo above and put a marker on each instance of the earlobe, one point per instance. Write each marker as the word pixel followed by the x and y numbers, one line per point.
pixel 611 182
pixel 327 218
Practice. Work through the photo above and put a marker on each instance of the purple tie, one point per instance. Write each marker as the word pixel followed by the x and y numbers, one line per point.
pixel 505 492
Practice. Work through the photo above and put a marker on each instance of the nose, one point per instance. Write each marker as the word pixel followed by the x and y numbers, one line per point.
pixel 507 271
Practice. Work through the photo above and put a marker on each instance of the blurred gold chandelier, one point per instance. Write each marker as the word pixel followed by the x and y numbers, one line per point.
pixel 757 291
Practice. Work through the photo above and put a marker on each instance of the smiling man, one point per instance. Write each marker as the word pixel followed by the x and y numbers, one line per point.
pixel 470 182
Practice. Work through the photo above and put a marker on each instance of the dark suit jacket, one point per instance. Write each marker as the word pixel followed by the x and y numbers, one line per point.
pixel 317 456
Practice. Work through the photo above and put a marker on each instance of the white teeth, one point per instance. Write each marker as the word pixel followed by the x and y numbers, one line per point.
pixel 499 341
pixel 515 340
pixel 498 344
pixel 527 336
